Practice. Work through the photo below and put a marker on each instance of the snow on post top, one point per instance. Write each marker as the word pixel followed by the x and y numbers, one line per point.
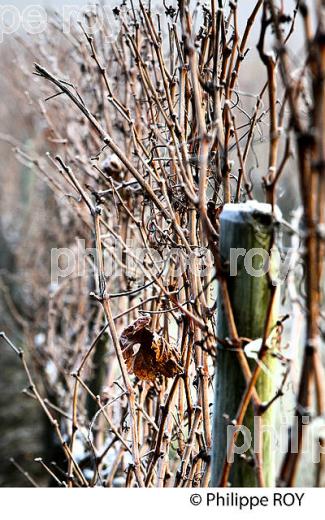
pixel 251 206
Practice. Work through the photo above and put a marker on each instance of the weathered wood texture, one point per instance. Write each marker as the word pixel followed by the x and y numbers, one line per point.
pixel 246 226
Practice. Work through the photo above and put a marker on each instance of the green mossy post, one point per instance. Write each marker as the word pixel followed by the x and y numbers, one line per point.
pixel 249 225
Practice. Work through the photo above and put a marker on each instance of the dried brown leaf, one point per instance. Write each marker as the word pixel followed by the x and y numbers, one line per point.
pixel 154 355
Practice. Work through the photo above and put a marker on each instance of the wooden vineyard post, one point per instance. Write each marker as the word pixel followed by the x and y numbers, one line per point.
pixel 246 238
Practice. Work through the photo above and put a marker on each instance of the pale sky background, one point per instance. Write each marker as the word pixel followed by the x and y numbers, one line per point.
pixel 244 5
pixel 244 8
